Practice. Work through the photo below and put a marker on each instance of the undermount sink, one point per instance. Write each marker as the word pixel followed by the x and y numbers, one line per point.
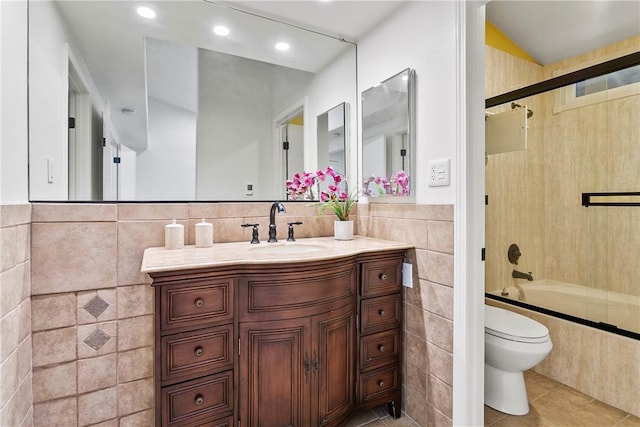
pixel 286 248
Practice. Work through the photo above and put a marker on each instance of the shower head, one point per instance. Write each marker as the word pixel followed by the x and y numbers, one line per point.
pixel 529 112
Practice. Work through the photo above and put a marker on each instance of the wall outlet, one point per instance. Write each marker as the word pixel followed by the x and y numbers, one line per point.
pixel 439 172
pixel 249 190
pixel 407 275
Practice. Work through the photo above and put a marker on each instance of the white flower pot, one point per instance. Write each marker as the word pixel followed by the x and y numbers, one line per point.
pixel 343 230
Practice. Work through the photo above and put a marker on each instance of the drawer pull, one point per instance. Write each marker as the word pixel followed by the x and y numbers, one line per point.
pixel 381 312
pixel 382 276
pixel 381 348
pixel 380 383
pixel 199 400
pixel 199 351
pixel 199 302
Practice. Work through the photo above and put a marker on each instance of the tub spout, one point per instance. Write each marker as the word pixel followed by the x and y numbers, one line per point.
pixel 520 275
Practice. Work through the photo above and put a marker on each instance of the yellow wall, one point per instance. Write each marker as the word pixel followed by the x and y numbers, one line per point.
pixel 497 39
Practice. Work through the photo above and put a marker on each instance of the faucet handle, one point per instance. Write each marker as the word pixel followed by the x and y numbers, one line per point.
pixel 291 238
pixel 254 235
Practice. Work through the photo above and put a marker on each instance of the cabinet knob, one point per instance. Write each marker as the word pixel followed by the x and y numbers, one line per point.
pixel 381 312
pixel 199 302
pixel 381 348
pixel 382 276
pixel 380 383
pixel 199 351
pixel 199 400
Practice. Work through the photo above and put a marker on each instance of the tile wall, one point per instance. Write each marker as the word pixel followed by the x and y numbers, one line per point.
pixel 16 392
pixel 92 323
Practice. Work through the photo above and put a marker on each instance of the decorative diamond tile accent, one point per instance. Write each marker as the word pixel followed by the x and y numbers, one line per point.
pixel 97 339
pixel 96 306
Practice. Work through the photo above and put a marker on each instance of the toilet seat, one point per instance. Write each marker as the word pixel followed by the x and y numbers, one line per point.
pixel 512 326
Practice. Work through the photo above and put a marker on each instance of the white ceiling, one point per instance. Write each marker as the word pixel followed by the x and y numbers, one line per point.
pixel 551 31
pixel 111 36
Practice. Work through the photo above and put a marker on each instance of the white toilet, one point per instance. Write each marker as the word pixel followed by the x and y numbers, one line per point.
pixel 512 344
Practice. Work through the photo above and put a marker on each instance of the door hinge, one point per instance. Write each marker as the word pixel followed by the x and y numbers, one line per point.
pixel 238 347
pixel 72 122
pixel 285 145
pixel 116 160
pixel 486 199
pixel 483 254
pixel 104 142
pixel 357 322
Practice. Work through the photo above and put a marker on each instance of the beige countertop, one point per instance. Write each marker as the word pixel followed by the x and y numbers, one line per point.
pixel 236 253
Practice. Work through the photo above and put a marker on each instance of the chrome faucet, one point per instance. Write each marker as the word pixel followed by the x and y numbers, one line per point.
pixel 520 275
pixel 272 220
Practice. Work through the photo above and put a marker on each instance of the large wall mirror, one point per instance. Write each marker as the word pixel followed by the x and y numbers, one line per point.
pixel 170 108
pixel 388 147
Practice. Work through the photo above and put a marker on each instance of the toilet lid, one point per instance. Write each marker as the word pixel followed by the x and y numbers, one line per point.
pixel 513 326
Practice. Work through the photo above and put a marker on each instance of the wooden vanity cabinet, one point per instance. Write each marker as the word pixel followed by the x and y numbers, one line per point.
pixel 298 345
pixel 380 332
pixel 295 344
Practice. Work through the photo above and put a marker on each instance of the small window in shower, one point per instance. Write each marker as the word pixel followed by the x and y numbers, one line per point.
pixel 616 85
pixel 613 80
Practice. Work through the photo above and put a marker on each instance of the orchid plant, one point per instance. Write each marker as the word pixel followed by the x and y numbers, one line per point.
pixel 336 198
pixel 397 185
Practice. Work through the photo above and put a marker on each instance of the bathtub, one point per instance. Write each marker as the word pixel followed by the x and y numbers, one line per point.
pixel 608 310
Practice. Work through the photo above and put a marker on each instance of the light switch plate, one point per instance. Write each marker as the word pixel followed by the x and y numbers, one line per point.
pixel 407 275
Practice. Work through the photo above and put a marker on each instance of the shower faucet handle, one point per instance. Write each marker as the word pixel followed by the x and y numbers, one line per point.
pixel 513 254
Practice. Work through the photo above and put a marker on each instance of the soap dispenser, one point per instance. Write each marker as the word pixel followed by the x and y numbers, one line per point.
pixel 174 235
pixel 204 234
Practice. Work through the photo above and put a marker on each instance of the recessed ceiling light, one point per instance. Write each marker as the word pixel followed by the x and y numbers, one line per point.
pixel 282 46
pixel 146 12
pixel 221 30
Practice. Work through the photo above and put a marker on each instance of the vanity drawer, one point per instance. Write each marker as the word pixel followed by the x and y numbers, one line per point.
pixel 198 402
pixel 374 384
pixel 381 313
pixel 197 353
pixel 289 296
pixel 379 349
pixel 381 277
pixel 195 304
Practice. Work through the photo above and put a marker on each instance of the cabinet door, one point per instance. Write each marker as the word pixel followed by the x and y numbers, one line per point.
pixel 333 366
pixel 275 373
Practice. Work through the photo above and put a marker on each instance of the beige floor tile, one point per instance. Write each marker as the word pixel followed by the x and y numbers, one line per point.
pixel 598 413
pixel 629 421
pixel 491 416
pixel 553 404
pixel 403 421
pixel 538 385
pixel 532 419
pixel 361 418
